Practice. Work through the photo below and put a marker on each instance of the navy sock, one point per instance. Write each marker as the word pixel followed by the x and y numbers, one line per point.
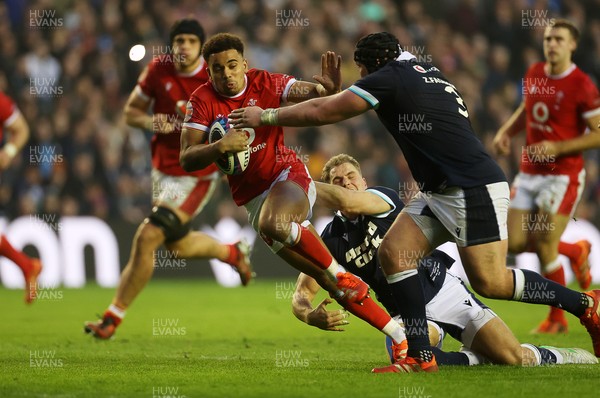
pixel 410 300
pixel 450 358
pixel 533 288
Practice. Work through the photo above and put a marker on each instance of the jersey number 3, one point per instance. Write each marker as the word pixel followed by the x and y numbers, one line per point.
pixel 462 109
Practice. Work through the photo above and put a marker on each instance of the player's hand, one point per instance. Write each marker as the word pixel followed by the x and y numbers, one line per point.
pixel 245 117
pixel 501 144
pixel 162 123
pixel 234 141
pixel 545 151
pixel 327 320
pixel 5 160
pixel 331 72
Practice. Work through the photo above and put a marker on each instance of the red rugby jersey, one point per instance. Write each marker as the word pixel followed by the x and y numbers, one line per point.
pixel 556 108
pixel 165 86
pixel 8 112
pixel 268 154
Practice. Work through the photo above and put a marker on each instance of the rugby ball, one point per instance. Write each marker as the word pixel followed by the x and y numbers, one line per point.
pixel 229 163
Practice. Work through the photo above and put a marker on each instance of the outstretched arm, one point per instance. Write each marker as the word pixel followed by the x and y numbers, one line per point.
pixel 306 290
pixel 329 81
pixel 351 202
pixel 315 112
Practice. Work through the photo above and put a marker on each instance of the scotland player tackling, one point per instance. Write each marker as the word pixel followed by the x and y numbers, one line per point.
pixel 364 215
pixel 463 194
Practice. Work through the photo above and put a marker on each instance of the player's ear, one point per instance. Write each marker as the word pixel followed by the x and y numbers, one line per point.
pixel 573 45
pixel 245 65
pixel 209 75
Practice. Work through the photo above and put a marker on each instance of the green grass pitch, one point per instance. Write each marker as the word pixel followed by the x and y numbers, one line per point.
pixel 196 339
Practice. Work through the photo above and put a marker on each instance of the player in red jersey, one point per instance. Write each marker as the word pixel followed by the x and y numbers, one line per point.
pixel 15 125
pixel 560 104
pixel 276 188
pixel 178 196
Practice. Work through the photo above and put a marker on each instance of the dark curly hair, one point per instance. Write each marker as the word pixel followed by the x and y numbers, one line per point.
pixel 222 42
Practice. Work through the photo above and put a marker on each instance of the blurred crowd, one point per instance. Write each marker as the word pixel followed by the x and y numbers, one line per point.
pixel 67 65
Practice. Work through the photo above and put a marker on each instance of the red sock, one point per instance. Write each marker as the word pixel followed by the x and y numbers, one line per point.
pixel 558 276
pixel 233 254
pixel 369 312
pixel 14 255
pixel 311 248
pixel 109 314
pixel 569 249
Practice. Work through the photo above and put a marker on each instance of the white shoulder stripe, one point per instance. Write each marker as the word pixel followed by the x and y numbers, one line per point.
pixel 387 200
pixel 374 102
pixel 591 113
pixel 195 126
pixel 286 90
pixel 13 116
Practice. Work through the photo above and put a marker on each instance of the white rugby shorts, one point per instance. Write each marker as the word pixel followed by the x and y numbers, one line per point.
pixel 467 216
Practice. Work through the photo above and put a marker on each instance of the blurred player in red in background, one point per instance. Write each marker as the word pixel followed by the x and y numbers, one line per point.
pixel 178 196
pixel 13 122
pixel 560 103
pixel 275 188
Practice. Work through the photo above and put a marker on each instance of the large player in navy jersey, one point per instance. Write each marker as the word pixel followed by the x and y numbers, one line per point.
pixel 463 194
pixel 353 237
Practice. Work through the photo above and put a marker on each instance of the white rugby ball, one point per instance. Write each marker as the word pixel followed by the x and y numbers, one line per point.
pixel 230 163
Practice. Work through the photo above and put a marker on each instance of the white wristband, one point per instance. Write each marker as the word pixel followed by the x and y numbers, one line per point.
pixel 10 149
pixel 321 90
pixel 269 117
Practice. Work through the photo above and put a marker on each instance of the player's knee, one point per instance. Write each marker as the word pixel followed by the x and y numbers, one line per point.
pixel 149 236
pixel 393 259
pixel 386 255
pixel 274 226
pixel 177 248
pixel 266 225
pixel 488 287
pixel 170 224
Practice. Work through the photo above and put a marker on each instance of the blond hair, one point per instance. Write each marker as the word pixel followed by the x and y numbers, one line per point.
pixel 336 161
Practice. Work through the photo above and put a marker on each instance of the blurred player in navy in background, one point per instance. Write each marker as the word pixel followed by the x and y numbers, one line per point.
pixel 463 194
pixel 177 195
pixel 560 103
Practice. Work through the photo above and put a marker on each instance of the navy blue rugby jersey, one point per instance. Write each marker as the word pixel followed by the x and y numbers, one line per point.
pixel 430 122
pixel 354 244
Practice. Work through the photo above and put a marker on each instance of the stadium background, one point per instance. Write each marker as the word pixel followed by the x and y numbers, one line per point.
pixel 66 63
